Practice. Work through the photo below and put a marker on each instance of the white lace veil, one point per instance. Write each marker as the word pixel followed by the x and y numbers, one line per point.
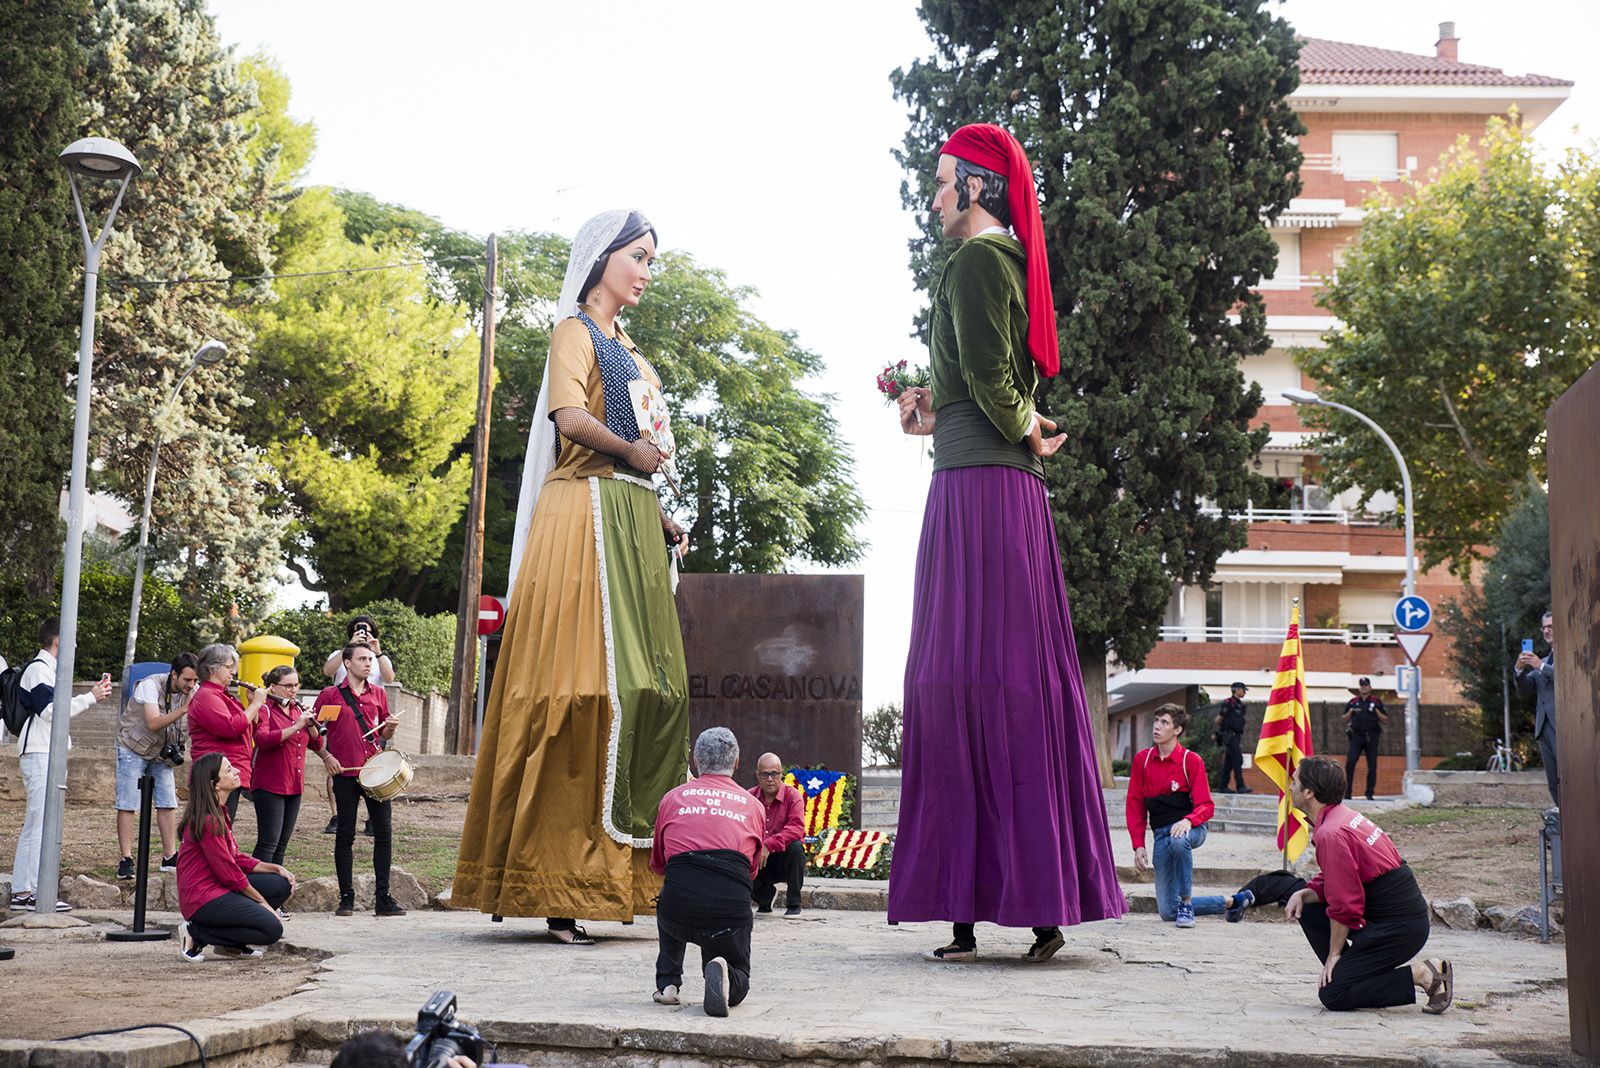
pixel 587 247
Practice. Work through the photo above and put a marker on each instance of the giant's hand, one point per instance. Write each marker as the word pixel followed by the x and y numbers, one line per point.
pixel 916 411
pixel 1038 444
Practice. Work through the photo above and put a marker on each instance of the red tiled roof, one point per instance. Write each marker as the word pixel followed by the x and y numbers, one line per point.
pixel 1336 63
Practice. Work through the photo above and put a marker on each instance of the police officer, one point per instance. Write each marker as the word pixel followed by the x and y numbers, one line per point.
pixel 1364 718
pixel 1230 729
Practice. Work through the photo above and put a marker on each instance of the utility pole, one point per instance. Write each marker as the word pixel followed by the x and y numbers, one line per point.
pixel 464 666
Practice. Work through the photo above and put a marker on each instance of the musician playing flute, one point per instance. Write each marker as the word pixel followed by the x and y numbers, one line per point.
pixel 356 716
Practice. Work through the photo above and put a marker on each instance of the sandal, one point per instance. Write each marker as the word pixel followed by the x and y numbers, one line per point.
pixel 954 953
pixel 1044 948
pixel 1441 988
pixel 571 936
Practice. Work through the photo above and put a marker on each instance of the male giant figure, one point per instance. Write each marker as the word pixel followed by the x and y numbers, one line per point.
pixel 1001 815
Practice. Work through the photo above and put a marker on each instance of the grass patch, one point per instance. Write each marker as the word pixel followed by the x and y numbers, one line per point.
pixel 1466 817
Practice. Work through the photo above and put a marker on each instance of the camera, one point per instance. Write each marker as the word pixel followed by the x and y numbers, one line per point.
pixel 440 1037
pixel 172 753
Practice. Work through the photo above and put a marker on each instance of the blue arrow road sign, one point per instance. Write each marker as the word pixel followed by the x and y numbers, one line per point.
pixel 1412 613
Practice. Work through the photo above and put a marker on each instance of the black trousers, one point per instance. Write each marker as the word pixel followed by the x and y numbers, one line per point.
pixel 346 796
pixel 276 815
pixel 235 921
pixel 1547 753
pixel 1361 743
pixel 1274 887
pixel 731 943
pixel 788 868
pixel 232 804
pixel 1232 763
pixel 1374 971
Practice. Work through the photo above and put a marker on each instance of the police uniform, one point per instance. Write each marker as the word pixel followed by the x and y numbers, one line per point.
pixel 1228 735
pixel 1365 730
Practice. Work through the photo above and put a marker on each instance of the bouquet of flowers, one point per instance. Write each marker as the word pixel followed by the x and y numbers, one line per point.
pixel 896 378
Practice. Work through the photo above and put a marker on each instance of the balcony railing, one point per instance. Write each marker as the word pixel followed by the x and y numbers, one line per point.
pixel 1341 516
pixel 1271 635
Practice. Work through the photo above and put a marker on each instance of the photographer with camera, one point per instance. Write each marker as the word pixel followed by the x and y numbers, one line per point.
pixel 151 741
pixel 440 1042
pixel 282 735
pixel 362 628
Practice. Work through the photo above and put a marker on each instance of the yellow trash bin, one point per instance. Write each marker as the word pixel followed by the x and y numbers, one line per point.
pixel 260 655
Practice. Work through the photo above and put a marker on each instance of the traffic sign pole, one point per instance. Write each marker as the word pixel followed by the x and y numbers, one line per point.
pixel 1412 613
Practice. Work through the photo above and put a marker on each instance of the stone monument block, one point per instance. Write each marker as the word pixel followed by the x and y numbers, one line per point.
pixel 778 660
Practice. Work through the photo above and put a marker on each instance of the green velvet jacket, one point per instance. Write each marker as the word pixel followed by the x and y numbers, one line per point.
pixel 978 350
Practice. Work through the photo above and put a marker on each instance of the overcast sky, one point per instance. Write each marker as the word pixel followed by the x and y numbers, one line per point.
pixel 756 137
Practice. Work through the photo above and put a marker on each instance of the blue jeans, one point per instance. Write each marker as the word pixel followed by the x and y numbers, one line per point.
pixel 130 767
pixel 1173 860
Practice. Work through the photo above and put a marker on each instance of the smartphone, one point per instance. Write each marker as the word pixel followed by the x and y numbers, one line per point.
pixel 105 676
pixel 1527 645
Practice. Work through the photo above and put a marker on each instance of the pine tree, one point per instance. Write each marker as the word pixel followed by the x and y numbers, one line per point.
pixel 1161 140
pixel 41 69
pixel 160 82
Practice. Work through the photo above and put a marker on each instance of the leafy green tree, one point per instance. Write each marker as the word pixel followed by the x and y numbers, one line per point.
pixel 1487 623
pixel 421 646
pixel 365 387
pixel 1466 309
pixel 41 69
pixel 1161 139
pixel 161 82
pixel 274 135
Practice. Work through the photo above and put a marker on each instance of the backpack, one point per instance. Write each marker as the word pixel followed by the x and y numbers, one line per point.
pixel 16 717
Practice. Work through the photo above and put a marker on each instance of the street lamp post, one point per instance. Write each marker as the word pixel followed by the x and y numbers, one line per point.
pixel 1305 396
pixel 211 352
pixel 91 157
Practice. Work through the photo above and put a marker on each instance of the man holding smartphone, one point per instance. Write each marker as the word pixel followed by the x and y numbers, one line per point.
pixel 37 694
pixel 1537 678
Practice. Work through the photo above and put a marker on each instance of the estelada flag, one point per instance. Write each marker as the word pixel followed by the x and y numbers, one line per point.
pixel 1286 737
pixel 823 792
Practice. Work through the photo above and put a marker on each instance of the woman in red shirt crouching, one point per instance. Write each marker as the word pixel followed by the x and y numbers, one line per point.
pixel 228 898
pixel 1363 914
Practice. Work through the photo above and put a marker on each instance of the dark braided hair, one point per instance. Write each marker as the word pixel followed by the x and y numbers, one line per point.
pixel 991 199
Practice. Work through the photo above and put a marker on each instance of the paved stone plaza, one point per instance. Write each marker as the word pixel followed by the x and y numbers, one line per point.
pixel 841 985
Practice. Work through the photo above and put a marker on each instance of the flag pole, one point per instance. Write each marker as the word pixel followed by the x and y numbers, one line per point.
pixel 1287 800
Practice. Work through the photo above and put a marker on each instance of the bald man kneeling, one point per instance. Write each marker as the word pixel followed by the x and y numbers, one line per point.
pixel 783 855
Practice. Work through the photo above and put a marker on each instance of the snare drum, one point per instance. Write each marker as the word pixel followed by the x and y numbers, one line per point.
pixel 386 775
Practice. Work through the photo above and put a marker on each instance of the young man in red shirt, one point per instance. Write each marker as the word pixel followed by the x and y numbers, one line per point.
pixel 355 716
pixel 783 855
pixel 707 844
pixel 1168 788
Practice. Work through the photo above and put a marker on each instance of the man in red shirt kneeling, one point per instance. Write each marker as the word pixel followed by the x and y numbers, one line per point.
pixel 707 844
pixel 1363 914
pixel 783 855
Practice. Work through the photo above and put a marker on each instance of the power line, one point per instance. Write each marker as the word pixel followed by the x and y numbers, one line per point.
pixel 134 283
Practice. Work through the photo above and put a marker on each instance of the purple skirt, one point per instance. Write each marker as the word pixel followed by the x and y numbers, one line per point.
pixel 1001 815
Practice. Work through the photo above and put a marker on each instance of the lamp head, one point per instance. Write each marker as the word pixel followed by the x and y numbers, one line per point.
pixel 1300 396
pixel 213 351
pixel 99 157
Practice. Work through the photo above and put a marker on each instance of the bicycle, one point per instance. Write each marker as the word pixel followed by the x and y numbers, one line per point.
pixel 1505 758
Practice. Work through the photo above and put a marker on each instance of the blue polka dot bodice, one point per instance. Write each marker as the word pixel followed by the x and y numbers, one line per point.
pixel 617 369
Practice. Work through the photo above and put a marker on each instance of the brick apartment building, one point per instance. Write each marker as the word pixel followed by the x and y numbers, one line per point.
pixel 1374 118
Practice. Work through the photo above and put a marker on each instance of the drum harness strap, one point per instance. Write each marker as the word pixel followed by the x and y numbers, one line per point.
pixel 355 706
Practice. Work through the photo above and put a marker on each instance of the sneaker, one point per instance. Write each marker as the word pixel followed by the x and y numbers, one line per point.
pixel 23 902
pixel 186 945
pixel 347 905
pixel 388 906
pixel 1244 790
pixel 125 868
pixel 1185 914
pixel 1045 948
pixel 954 953
pixel 241 952
pixel 170 863
pixel 333 825
pixel 716 1000
pixel 282 915
pixel 1241 901
pixel 667 995
pixel 791 912
pixel 1222 790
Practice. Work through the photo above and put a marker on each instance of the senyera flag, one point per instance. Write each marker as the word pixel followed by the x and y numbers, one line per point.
pixel 1286 737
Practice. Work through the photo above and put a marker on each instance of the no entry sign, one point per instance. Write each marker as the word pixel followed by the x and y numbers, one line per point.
pixel 491 614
